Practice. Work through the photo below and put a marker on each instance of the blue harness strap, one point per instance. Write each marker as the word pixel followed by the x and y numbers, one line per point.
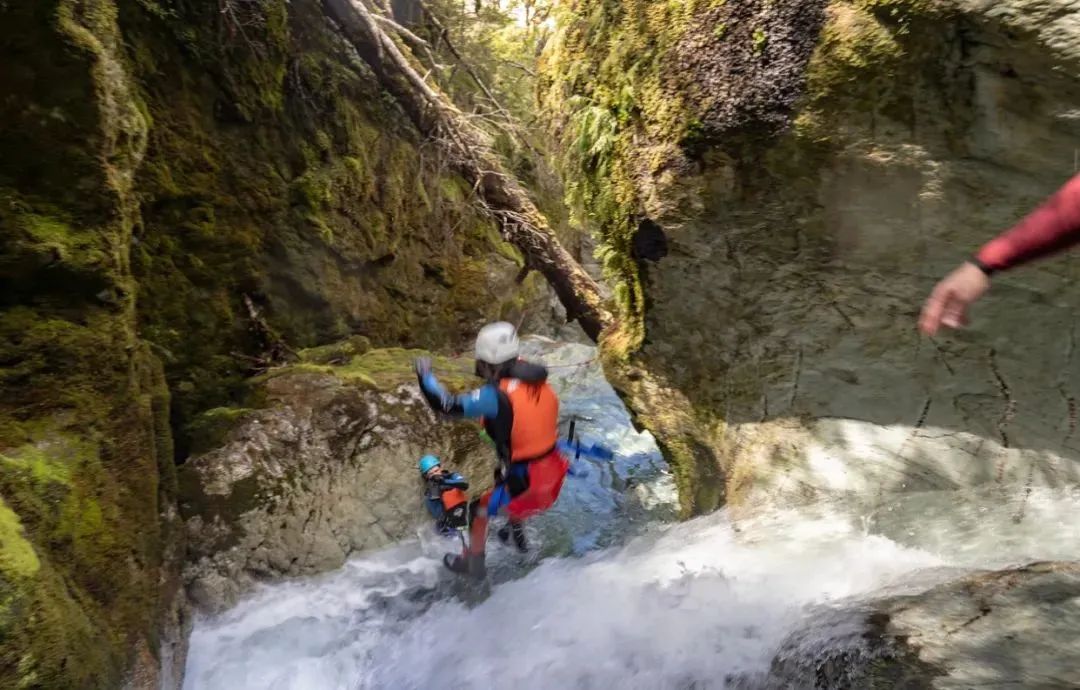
pixel 500 497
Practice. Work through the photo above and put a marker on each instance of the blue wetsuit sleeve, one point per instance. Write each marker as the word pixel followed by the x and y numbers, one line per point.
pixel 456 481
pixel 482 402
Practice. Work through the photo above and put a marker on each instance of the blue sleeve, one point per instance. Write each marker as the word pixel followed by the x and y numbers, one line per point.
pixel 456 481
pixel 482 402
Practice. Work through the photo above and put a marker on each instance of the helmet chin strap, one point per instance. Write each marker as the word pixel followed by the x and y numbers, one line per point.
pixel 493 372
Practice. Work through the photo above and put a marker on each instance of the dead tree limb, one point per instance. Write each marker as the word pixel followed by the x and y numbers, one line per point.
pixel 470 152
pixel 518 65
pixel 401 30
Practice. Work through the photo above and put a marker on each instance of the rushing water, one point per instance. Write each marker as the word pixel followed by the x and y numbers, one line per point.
pixel 619 597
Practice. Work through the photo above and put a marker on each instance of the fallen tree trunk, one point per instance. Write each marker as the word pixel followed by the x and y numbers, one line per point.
pixel 470 152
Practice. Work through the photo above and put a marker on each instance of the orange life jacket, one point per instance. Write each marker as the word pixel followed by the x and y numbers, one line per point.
pixel 455 508
pixel 536 419
pixel 452 498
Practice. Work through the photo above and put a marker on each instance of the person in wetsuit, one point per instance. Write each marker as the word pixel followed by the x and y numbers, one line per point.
pixel 1051 228
pixel 444 496
pixel 520 414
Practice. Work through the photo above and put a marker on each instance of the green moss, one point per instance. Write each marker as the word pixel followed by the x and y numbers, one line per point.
pixel 41 463
pixel 17 556
pixel 388 368
pixel 336 353
pixel 607 87
pixel 453 189
pixel 865 64
pixel 209 429
pixel 78 470
pixel 760 40
pixel 324 210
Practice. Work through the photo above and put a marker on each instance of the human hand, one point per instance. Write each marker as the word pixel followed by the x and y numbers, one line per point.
pixel 422 366
pixel 948 303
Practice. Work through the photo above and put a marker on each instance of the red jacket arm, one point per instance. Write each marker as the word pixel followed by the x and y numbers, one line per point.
pixel 1052 227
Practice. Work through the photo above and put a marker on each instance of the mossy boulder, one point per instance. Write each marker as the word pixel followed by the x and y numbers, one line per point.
pixel 326 467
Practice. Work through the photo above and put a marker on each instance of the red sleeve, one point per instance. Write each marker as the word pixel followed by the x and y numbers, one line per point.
pixel 1048 229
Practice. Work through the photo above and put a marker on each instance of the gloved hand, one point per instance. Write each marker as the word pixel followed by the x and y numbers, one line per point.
pixel 422 366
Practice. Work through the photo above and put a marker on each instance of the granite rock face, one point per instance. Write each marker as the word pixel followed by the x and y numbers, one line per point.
pixel 1012 628
pixel 806 218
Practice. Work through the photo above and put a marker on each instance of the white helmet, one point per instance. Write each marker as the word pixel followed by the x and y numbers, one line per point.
pixel 497 343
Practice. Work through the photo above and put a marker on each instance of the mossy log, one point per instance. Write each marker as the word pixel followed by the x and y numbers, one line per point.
pixel 470 152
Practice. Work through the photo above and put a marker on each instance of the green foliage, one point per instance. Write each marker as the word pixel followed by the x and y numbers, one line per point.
pixel 761 40
pixel 17 557
pixel 336 353
pixel 606 88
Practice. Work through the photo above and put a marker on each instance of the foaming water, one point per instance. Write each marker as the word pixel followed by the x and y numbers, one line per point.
pixel 697 605
pixel 616 598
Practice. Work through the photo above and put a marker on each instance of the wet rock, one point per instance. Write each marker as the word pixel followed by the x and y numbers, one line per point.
pixel 325 469
pixel 816 168
pixel 1012 628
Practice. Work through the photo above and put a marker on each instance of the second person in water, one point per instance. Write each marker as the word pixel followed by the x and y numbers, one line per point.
pixel 520 412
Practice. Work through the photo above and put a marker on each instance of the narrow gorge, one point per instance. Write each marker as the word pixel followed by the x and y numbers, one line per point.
pixel 228 229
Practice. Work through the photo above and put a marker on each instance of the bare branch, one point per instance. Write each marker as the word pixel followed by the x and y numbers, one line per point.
pixel 402 31
pixel 523 68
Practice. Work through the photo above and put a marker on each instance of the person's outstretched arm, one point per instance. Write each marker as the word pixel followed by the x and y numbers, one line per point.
pixel 1051 228
pixel 455 481
pixel 482 402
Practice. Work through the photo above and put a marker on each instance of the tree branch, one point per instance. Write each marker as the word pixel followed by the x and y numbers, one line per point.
pixel 402 31
pixel 469 150
pixel 445 35
pixel 523 68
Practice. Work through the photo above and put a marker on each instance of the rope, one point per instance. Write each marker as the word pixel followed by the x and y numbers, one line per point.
pixel 573 365
pixel 468 524
pixel 570 366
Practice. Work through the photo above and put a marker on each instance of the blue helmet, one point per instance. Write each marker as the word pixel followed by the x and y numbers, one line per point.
pixel 427 462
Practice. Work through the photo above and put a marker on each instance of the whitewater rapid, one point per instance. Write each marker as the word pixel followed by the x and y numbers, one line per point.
pixel 618 597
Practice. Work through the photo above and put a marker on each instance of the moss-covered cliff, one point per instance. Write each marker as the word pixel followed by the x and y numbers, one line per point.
pixel 84 439
pixel 778 184
pixel 163 161
pixel 277 168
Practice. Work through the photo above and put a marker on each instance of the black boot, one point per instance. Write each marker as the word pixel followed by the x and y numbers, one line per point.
pixel 518 531
pixel 471 564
